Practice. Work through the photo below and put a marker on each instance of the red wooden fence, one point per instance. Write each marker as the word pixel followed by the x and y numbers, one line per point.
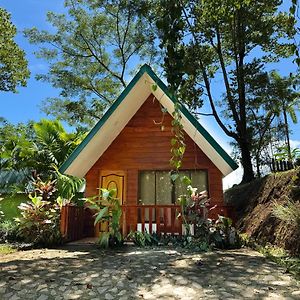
pixel 151 218
pixel 77 222
pixel 72 222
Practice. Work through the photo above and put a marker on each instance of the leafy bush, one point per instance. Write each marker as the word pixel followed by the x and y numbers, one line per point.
pixel 208 233
pixel 8 231
pixel 39 222
pixel 109 211
pixel 9 205
pixel 223 235
pixel 289 212
pixel 6 249
pixel 142 239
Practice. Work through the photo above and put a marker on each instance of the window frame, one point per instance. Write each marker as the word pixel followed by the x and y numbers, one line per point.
pixel 173 200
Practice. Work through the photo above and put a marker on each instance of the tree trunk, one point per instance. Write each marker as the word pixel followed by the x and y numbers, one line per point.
pixel 287 135
pixel 257 166
pixel 246 162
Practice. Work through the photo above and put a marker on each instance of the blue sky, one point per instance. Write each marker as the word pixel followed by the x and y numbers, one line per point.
pixel 24 105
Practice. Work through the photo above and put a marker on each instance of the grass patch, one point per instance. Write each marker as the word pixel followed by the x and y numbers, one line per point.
pixel 6 249
pixel 276 254
pixel 282 258
pixel 9 205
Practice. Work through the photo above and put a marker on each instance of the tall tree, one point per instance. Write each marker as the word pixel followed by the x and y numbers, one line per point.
pixel 13 64
pixel 286 100
pixel 91 53
pixel 226 39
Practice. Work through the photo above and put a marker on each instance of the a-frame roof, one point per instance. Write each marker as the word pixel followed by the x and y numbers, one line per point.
pixel 123 109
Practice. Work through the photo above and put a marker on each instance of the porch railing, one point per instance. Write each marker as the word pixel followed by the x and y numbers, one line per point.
pixel 78 222
pixel 161 219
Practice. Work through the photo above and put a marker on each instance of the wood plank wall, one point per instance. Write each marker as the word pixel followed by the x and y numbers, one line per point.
pixel 142 145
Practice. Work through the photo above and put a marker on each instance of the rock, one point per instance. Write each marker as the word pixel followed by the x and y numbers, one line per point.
pixel 109 297
pixel 102 289
pixel 43 297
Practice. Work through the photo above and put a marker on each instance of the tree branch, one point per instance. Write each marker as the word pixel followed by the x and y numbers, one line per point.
pixel 207 83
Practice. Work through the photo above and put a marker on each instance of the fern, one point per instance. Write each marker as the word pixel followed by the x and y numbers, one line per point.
pixel 290 212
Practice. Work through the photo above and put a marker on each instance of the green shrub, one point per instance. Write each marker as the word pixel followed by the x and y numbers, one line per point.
pixel 142 239
pixel 39 222
pixel 8 231
pixel 6 249
pixel 9 205
pixel 289 212
pixel 109 211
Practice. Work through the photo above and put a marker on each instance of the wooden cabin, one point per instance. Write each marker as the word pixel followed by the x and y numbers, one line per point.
pixel 129 149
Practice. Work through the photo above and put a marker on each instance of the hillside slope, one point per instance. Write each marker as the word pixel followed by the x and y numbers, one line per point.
pixel 254 203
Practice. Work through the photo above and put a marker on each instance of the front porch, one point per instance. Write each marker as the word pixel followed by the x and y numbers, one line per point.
pixel 78 222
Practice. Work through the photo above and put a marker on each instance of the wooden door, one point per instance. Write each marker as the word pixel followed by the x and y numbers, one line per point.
pixel 112 180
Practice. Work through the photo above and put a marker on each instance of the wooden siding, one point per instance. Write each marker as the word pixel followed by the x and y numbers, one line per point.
pixel 142 145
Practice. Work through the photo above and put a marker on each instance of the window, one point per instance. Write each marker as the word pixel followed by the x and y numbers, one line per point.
pixel 156 187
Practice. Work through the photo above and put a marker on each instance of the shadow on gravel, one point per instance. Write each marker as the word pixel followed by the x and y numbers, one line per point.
pixel 85 272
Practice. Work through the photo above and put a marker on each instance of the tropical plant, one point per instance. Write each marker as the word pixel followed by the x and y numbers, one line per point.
pixel 8 231
pixel 45 189
pixel 193 206
pixel 285 153
pixel 108 211
pixel 286 101
pixel 288 212
pixel 36 148
pixel 13 64
pixel 223 235
pixel 207 233
pixel 67 186
pixel 39 222
pixel 142 239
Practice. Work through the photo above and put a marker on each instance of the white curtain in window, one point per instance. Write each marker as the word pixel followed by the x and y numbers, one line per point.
pixel 199 180
pixel 163 188
pixel 147 187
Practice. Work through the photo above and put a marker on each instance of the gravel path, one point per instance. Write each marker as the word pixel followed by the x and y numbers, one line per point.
pixel 84 272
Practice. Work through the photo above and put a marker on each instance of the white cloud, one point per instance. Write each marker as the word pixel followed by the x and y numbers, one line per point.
pixel 295 144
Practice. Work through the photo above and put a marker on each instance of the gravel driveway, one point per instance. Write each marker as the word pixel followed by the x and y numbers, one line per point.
pixel 84 272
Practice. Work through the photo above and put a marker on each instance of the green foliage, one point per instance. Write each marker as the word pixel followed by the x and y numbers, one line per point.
pixel 91 49
pixel 203 40
pixel 37 147
pixel 68 186
pixel 13 64
pixel 39 222
pixel 177 142
pixel 109 211
pixel 282 258
pixel 193 206
pixel 45 189
pixel 142 239
pixel 283 154
pixel 6 249
pixel 207 233
pixel 9 205
pixel 8 231
pixel 289 212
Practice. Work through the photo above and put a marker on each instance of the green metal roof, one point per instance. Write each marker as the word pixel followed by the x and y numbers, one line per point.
pixel 147 69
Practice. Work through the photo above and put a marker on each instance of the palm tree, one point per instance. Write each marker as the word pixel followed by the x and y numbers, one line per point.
pixel 52 144
pixel 286 101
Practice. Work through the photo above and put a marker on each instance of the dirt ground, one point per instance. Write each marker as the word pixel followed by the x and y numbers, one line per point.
pixel 254 203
